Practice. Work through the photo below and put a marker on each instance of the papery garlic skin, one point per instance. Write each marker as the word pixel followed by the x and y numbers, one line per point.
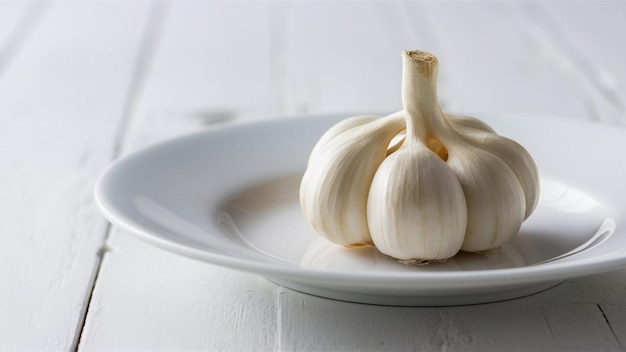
pixel 451 183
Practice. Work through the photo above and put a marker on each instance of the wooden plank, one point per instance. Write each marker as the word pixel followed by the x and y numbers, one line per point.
pixel 594 48
pixel 590 323
pixel 333 65
pixel 606 292
pixel 149 299
pixel 301 66
pixel 567 317
pixel 492 63
pixel 146 298
pixel 60 104
pixel 531 57
pixel 210 67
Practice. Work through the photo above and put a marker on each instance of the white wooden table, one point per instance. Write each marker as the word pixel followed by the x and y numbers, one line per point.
pixel 84 83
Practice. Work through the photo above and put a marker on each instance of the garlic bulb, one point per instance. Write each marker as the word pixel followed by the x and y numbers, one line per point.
pixel 451 184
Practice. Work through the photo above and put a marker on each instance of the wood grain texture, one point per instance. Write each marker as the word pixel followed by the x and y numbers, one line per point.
pixel 143 298
pixel 493 64
pixel 220 62
pixel 149 299
pixel 210 66
pixel 61 97
pixel 566 317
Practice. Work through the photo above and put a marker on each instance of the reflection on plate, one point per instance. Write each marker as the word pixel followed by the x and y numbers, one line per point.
pixel 229 197
pixel 566 222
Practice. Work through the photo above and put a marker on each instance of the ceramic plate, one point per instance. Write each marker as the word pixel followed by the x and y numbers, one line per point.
pixel 229 196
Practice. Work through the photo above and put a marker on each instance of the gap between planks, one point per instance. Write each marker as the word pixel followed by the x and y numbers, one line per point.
pixel 608 322
pixel 141 67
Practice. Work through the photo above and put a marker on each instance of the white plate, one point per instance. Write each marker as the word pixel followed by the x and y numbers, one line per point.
pixel 228 196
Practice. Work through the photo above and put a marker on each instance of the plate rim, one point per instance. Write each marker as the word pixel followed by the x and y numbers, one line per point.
pixel 553 271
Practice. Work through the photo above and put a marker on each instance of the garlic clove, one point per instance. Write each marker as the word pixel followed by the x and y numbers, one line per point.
pixel 416 208
pixel 514 155
pixel 494 196
pixel 335 185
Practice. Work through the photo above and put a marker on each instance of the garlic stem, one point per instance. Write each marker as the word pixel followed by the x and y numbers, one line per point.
pixel 419 94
